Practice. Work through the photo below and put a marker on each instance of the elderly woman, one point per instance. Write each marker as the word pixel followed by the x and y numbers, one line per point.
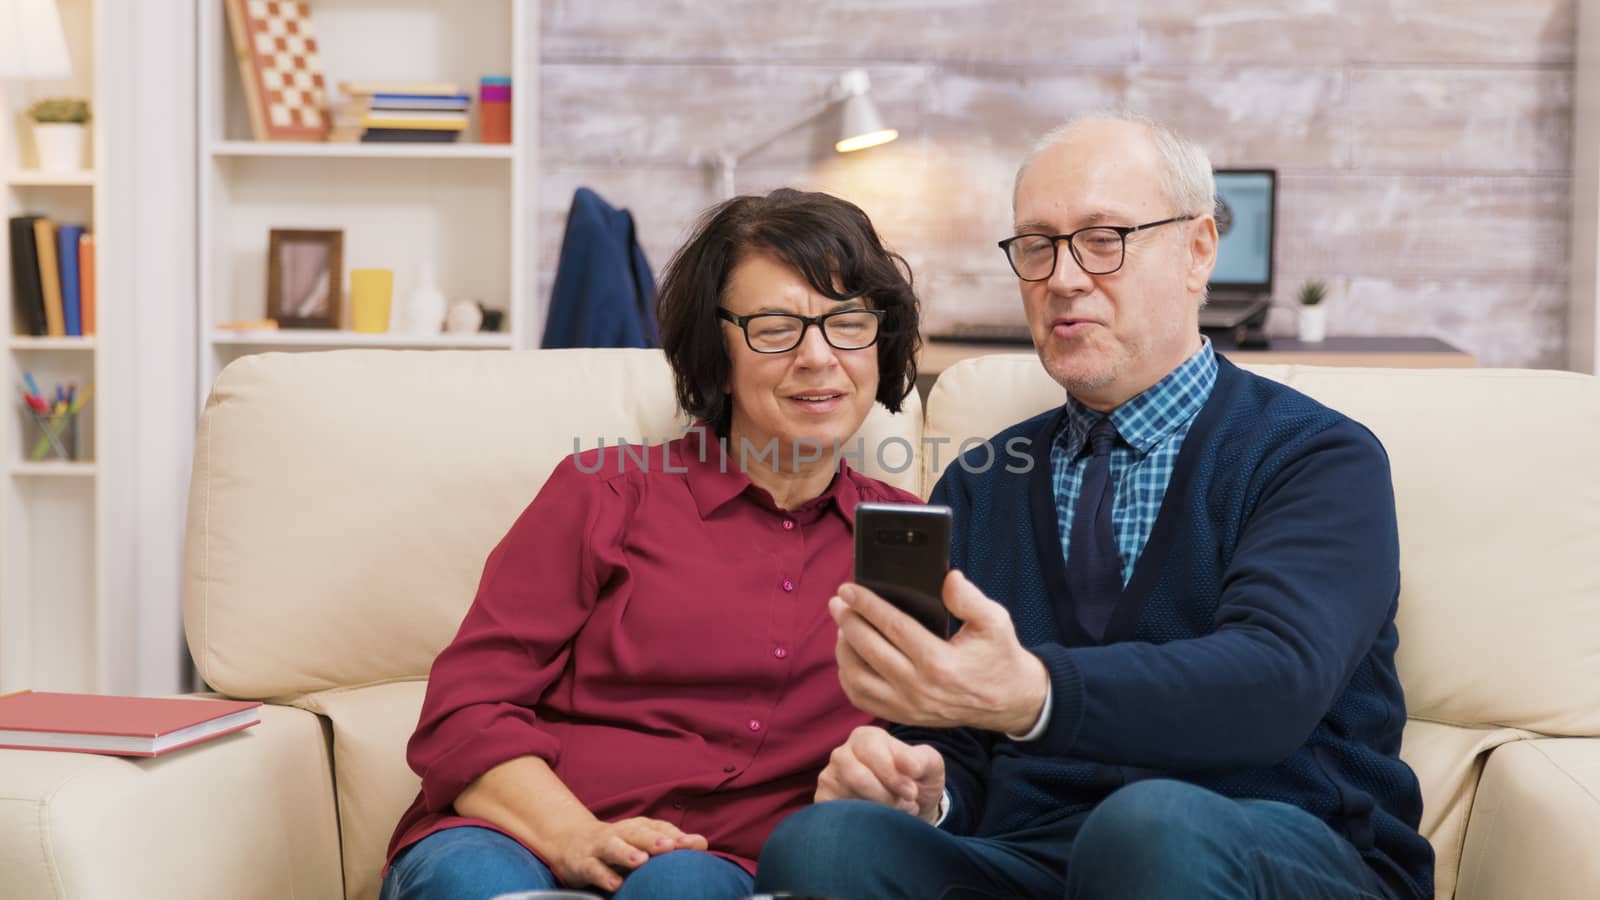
pixel 645 683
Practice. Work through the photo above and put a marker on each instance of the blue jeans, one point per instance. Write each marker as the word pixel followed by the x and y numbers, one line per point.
pixel 469 863
pixel 1154 840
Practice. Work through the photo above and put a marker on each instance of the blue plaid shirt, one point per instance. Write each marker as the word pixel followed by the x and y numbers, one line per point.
pixel 1152 427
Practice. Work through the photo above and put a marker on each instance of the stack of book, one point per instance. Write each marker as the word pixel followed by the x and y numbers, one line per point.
pixel 399 111
pixel 52 277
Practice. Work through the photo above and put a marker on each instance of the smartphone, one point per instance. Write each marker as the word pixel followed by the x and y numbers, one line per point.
pixel 902 555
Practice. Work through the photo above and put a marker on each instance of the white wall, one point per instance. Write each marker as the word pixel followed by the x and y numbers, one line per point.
pixel 1583 323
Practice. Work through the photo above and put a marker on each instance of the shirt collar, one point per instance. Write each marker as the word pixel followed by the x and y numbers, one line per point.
pixel 715 480
pixel 1145 420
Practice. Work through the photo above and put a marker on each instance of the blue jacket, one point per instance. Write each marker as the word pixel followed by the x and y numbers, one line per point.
pixel 1252 652
pixel 605 293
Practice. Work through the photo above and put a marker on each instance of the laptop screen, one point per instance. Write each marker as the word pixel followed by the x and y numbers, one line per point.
pixel 1246 206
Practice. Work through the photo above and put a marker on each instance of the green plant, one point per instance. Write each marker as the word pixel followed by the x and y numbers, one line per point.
pixel 60 110
pixel 1313 292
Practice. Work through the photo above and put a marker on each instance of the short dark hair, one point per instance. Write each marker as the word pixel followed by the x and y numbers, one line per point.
pixel 829 241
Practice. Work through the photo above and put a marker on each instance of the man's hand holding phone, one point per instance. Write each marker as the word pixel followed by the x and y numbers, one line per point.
pixel 894 668
pixel 874 765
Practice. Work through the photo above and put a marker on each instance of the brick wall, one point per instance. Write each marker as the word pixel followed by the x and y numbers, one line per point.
pixel 1423 145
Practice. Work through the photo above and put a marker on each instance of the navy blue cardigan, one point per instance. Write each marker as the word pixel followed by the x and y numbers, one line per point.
pixel 1252 652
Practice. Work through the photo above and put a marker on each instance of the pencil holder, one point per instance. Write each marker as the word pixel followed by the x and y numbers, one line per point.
pixel 54 436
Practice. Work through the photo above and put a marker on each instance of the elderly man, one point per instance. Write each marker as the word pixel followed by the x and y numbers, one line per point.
pixel 1184 685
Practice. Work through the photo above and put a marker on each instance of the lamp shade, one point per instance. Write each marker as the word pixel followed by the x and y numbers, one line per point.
pixel 860 126
pixel 32 45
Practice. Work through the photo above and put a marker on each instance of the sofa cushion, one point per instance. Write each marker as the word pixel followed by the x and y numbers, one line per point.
pixel 342 504
pixel 1447 760
pixel 1499 513
pixel 372 724
pixel 370 728
pixel 1534 824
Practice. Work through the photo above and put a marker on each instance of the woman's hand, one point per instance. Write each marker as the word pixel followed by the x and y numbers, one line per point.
pixel 601 853
pixel 524 797
pixel 876 766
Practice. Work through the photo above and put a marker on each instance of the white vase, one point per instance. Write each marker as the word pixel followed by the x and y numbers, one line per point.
pixel 423 313
pixel 1312 325
pixel 59 146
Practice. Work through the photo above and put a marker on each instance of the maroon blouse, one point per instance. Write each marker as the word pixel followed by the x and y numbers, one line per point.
pixel 658 632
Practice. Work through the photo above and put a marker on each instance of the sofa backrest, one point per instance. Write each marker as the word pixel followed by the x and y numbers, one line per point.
pixel 342 504
pixel 1497 484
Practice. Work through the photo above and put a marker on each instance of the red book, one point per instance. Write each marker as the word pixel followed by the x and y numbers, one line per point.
pixel 117 726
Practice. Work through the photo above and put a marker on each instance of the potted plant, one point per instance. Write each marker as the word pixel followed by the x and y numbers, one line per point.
pixel 58 132
pixel 1312 324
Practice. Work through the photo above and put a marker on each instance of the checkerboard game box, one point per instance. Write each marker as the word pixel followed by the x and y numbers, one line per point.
pixel 282 73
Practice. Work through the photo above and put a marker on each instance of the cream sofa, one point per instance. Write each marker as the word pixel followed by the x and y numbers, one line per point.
pixel 342 505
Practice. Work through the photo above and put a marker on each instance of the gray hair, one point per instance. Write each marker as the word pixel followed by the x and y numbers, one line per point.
pixel 1188 184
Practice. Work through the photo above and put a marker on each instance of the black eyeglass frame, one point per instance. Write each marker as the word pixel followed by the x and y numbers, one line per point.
pixel 805 322
pixel 1055 245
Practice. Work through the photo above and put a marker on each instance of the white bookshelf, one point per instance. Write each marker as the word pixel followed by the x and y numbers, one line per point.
pixel 54 603
pixel 54 470
pixel 363 151
pixel 21 178
pixel 29 342
pixel 468 207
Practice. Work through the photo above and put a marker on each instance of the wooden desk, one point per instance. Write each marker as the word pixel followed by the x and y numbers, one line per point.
pixel 1382 352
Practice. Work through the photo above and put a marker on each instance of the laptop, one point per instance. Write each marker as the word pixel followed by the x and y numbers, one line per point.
pixel 1240 291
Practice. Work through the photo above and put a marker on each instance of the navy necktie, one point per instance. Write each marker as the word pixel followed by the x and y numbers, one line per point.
pixel 1094 572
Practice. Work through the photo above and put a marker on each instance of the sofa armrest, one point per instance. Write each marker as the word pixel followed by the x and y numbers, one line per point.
pixel 247 815
pixel 1534 823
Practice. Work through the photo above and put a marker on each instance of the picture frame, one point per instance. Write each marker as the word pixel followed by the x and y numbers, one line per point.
pixel 305 277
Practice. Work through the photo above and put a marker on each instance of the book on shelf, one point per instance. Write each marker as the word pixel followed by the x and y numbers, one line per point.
pixel 117 726
pixel 67 237
pixel 52 277
pixel 44 243
pixel 360 104
pixel 408 135
pixel 444 102
pixel 417 121
pixel 86 280
pixel 27 293
pixel 415 88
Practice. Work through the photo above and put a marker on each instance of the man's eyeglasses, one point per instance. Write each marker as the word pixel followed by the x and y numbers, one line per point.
pixel 845 329
pixel 1099 249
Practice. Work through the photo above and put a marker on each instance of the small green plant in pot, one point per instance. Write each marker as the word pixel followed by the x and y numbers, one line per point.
pixel 60 111
pixel 1312 323
pixel 59 132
